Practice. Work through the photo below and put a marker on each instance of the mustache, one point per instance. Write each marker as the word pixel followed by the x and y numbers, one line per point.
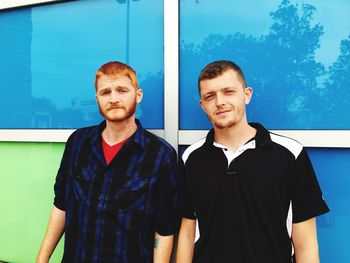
pixel 114 107
pixel 222 108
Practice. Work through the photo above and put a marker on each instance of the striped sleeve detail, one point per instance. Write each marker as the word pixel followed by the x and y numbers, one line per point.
pixel 291 145
pixel 191 149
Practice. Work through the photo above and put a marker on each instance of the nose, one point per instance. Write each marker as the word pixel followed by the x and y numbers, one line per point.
pixel 114 98
pixel 219 99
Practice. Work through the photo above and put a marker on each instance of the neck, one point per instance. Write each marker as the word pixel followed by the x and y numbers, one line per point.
pixel 116 132
pixel 234 137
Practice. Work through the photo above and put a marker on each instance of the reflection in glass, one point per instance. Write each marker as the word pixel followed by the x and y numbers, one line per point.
pixel 332 169
pixel 52 53
pixel 295 54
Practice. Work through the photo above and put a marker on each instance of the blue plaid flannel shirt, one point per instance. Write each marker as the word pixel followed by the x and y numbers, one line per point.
pixel 113 211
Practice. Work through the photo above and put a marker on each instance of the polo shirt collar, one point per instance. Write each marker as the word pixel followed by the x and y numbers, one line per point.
pixel 262 136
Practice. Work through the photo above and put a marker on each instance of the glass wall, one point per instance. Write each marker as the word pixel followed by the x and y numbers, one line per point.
pixel 333 228
pixel 295 55
pixel 52 53
pixel 27 176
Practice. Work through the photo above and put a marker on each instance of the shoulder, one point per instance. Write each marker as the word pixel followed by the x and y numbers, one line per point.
pixel 157 142
pixel 82 133
pixel 288 144
pixel 192 149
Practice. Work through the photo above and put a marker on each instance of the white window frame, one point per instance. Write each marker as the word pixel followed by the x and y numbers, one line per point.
pixel 171 132
pixel 8 4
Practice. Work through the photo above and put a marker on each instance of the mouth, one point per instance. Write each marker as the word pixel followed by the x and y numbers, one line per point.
pixel 116 108
pixel 222 112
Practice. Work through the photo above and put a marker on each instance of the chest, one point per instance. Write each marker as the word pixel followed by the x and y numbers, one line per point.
pixel 253 178
pixel 127 184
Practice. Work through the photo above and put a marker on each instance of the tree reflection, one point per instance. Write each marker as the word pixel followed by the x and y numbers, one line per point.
pixel 280 66
pixel 336 98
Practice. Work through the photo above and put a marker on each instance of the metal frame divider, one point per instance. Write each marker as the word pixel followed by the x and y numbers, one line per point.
pixel 171 132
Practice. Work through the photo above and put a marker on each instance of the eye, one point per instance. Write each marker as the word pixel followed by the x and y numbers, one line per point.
pixel 104 92
pixel 123 90
pixel 208 96
pixel 229 91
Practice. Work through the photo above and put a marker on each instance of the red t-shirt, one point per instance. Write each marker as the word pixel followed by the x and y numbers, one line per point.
pixel 111 151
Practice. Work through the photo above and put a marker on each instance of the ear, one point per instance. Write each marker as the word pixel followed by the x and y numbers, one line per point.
pixel 203 106
pixel 248 94
pixel 139 95
pixel 201 103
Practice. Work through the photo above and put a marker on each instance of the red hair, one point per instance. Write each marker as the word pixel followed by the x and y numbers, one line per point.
pixel 115 68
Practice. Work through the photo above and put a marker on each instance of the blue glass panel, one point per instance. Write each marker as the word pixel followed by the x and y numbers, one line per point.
pixel 52 53
pixel 333 172
pixel 295 55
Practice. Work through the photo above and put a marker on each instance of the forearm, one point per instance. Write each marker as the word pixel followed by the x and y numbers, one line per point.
pixel 53 235
pixel 185 245
pixel 304 237
pixel 307 256
pixel 163 246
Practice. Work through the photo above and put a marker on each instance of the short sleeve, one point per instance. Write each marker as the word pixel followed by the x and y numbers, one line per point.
pixel 307 199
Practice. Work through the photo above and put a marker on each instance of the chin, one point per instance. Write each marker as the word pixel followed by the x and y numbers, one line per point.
pixel 224 125
pixel 119 117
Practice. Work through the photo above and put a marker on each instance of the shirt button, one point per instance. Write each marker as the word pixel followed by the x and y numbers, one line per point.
pixel 98 221
pixel 230 172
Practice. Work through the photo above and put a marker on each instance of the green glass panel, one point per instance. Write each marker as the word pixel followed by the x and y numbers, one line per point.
pixel 27 176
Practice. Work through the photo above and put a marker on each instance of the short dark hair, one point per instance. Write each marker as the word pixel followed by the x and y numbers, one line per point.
pixel 217 68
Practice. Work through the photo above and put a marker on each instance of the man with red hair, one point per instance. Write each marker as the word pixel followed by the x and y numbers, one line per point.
pixel 116 191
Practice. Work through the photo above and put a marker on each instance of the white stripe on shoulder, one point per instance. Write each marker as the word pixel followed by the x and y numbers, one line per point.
pixel 192 148
pixel 292 145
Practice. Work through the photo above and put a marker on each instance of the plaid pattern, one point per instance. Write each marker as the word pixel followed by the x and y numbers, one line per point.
pixel 113 211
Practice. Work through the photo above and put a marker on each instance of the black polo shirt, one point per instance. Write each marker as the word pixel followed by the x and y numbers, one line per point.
pixel 245 207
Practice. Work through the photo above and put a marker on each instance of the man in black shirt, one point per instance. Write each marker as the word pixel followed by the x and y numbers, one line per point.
pixel 253 193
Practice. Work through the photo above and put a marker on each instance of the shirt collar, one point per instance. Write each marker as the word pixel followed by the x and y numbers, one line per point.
pixel 262 137
pixel 138 137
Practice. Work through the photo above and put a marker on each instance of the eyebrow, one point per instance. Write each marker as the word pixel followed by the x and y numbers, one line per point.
pixel 116 87
pixel 122 87
pixel 103 89
pixel 230 87
pixel 223 89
